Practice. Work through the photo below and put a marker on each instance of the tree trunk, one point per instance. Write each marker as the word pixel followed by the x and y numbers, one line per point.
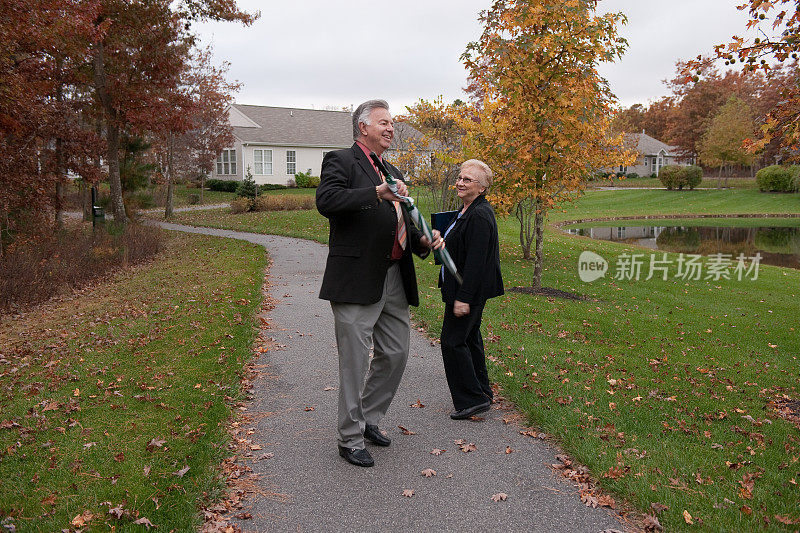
pixel 61 174
pixel 202 186
pixel 85 207
pixel 112 135
pixel 719 178
pixel 525 218
pixel 168 207
pixel 537 260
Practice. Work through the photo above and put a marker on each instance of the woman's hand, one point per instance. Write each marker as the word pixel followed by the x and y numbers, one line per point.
pixel 460 309
pixel 438 241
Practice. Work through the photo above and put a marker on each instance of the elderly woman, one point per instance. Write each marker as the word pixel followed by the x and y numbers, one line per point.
pixel 472 242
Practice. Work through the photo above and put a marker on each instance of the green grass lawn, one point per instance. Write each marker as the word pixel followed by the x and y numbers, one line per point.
pixel 120 398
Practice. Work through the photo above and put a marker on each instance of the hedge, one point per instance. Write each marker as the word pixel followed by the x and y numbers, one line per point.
pixel 776 178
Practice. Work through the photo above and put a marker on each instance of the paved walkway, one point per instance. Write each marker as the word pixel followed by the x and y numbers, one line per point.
pixel 295 412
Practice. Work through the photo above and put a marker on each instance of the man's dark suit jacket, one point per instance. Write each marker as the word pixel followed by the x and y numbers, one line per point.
pixel 473 245
pixel 362 231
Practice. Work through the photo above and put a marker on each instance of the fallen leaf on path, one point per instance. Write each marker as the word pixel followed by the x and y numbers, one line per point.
pixel 265 456
pixel 509 449
pixel 309 408
pixel 499 497
pixel 329 388
pixel 405 430
pixel 89 445
pixel 687 517
pixel 428 472
pixel 466 448
pixel 182 471
pixel 418 404
pixel 437 451
pixel 408 493
pixel 255 447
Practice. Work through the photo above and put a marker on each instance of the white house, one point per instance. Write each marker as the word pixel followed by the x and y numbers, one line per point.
pixel 653 154
pixel 277 142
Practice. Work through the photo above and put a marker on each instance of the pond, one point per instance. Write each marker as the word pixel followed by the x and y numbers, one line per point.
pixel 778 241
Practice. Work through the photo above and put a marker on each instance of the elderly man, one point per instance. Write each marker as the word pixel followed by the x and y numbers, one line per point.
pixel 369 278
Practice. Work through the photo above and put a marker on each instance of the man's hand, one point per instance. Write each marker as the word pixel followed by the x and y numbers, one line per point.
pixel 438 242
pixel 460 309
pixel 386 193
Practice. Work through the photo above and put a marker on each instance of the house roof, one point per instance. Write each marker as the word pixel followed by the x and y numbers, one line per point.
pixel 291 126
pixel 647 145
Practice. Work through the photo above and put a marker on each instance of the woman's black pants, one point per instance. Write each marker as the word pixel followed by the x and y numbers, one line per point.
pixel 464 361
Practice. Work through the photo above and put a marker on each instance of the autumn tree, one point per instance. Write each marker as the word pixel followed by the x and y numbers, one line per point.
pixel 200 127
pixel 440 144
pixel 138 66
pixel 653 120
pixel 776 28
pixel 544 122
pixel 43 128
pixel 723 142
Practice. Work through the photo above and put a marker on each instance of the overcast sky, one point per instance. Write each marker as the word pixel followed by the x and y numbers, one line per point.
pixel 336 53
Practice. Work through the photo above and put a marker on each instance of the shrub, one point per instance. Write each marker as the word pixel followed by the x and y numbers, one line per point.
pixel 241 205
pixel 283 202
pixel 692 176
pixel 247 187
pixel 654 175
pixel 775 178
pixel 670 176
pixel 193 199
pixel 40 266
pixel 632 175
pixel 305 180
pixel 680 176
pixel 222 185
pixel 271 187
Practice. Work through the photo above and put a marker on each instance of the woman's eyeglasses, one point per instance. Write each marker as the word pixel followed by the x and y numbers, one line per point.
pixel 466 181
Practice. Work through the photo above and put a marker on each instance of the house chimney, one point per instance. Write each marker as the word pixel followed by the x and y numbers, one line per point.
pixel 291 112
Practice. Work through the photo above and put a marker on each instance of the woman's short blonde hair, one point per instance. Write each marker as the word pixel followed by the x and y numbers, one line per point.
pixel 483 169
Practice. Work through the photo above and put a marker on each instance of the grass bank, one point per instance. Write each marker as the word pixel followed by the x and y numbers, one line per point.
pixel 114 401
pixel 663 387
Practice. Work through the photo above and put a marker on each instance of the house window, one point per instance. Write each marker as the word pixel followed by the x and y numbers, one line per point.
pixel 620 232
pixel 262 160
pixel 226 163
pixel 623 168
pixel 291 162
pixel 652 164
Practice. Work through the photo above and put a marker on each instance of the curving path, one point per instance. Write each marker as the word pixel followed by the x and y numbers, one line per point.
pixel 306 486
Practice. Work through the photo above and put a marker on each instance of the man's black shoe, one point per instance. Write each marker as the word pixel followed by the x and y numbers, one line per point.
pixel 470 411
pixel 376 436
pixel 356 456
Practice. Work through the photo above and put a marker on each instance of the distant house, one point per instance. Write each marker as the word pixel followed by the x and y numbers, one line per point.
pixel 653 154
pixel 277 142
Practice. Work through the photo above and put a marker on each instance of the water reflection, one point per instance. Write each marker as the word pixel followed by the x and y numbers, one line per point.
pixel 778 246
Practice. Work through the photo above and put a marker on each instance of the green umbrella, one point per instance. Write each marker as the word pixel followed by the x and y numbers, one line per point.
pixel 442 255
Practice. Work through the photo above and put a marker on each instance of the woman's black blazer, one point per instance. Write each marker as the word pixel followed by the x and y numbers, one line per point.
pixel 473 245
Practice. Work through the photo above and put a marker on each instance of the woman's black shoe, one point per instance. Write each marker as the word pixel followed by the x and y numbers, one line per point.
pixel 470 411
